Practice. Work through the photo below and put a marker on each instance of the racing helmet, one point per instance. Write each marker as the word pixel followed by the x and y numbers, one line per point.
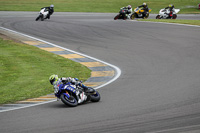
pixel 51 6
pixel 53 78
pixel 129 7
pixel 171 5
pixel 144 4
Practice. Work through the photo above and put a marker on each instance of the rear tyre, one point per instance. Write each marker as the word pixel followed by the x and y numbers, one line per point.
pixel 174 16
pixel 72 102
pixel 95 97
pixel 42 18
pixel 147 15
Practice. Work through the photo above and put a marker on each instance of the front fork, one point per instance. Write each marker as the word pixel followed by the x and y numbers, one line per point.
pixel 66 94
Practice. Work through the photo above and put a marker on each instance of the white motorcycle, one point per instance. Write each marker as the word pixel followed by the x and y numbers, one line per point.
pixel 42 14
pixel 167 14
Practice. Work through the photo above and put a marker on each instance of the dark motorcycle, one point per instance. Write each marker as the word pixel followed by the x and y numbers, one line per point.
pixel 121 15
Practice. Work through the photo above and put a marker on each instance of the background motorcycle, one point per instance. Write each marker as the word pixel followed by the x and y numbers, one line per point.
pixel 166 14
pixel 121 15
pixel 42 14
pixel 70 94
pixel 138 13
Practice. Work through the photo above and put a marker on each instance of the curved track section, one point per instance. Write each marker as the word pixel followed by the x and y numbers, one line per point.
pixel 158 90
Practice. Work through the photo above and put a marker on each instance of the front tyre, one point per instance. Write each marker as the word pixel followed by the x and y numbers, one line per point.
pixel 158 17
pixel 95 97
pixel 72 102
pixel 38 18
pixel 116 17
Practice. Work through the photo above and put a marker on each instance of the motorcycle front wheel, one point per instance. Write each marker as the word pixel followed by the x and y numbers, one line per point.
pixel 38 18
pixel 116 17
pixel 158 17
pixel 72 102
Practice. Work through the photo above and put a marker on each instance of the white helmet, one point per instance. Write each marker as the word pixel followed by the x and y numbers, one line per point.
pixel 52 6
pixel 129 7
pixel 144 4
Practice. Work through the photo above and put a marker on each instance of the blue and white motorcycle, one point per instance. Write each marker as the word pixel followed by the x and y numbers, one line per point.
pixel 73 95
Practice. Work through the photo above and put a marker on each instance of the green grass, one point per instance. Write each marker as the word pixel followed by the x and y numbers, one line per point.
pixel 190 22
pixel 186 6
pixel 25 69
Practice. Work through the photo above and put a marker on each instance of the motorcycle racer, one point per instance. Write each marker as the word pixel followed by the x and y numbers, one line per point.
pixel 128 10
pixel 55 81
pixel 145 8
pixel 171 9
pixel 50 9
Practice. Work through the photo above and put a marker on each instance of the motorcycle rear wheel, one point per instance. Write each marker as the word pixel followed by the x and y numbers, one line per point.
pixel 42 18
pixel 70 102
pixel 174 16
pixel 147 15
pixel 95 97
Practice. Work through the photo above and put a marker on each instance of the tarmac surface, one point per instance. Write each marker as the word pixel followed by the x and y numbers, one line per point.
pixel 157 92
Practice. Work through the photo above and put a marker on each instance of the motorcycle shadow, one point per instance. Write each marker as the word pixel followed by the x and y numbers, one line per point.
pixel 61 105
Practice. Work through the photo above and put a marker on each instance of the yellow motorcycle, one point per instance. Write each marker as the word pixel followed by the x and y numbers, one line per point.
pixel 138 13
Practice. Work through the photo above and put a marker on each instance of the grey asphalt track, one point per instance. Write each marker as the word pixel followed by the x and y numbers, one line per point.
pixel 157 92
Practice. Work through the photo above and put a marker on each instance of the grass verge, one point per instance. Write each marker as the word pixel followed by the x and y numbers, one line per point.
pixel 25 69
pixel 186 6
pixel 180 21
